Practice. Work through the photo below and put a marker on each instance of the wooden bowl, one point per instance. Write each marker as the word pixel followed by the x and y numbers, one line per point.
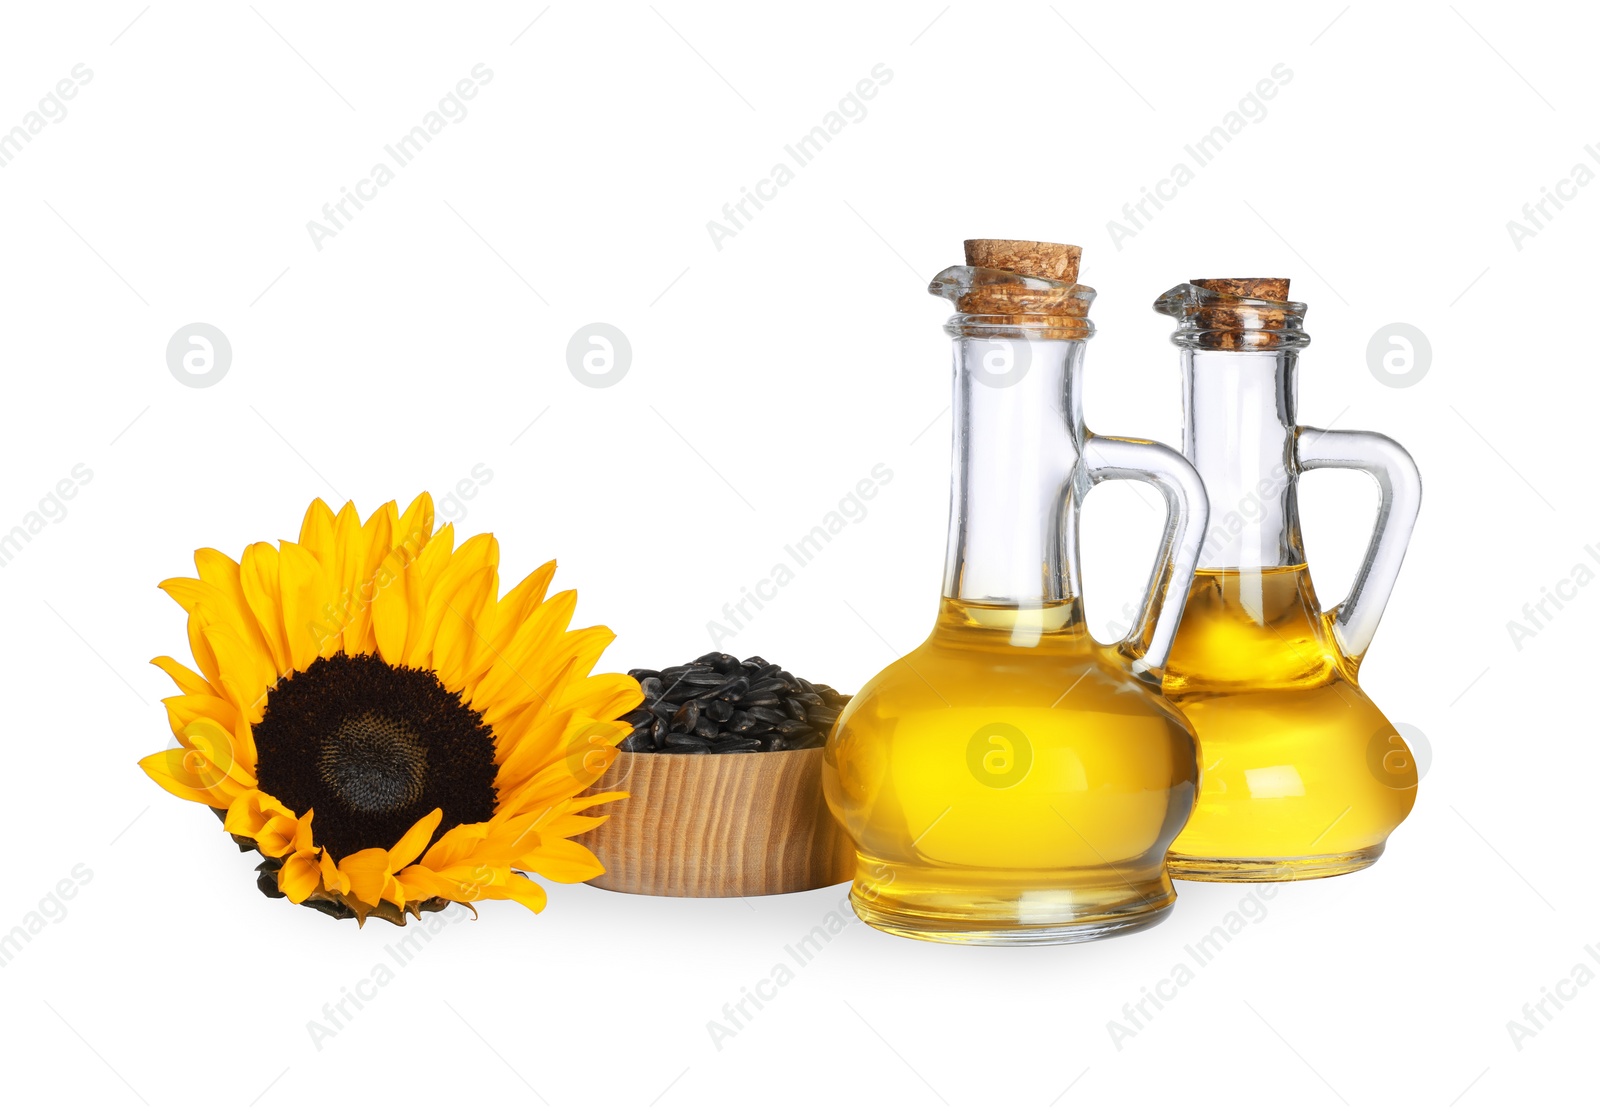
pixel 718 825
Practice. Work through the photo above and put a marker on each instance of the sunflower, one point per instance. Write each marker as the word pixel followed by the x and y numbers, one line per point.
pixel 386 729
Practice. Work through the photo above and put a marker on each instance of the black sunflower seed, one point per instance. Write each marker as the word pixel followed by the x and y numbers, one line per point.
pixel 719 710
pixel 734 689
pixel 637 743
pixel 685 718
pixel 722 662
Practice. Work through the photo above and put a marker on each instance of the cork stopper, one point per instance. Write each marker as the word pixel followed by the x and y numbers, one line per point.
pixel 1031 258
pixel 1022 284
pixel 1266 289
pixel 1229 326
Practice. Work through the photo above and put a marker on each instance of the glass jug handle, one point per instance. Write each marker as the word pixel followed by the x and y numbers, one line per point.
pixel 1355 620
pixel 1148 643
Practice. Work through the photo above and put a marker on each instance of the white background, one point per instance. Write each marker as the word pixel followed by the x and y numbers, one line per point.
pixel 768 377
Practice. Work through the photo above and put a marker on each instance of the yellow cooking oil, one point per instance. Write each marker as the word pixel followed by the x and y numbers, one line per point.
pixel 1301 775
pixel 1010 781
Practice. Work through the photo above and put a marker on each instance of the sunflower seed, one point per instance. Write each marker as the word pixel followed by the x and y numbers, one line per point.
pixel 686 717
pixel 698 746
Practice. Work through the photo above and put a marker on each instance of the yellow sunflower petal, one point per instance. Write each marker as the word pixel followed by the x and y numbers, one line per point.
pixel 298 877
pixel 569 825
pixel 221 572
pixel 416 525
pixel 421 575
pixel 458 633
pixel 259 816
pixel 258 578
pixel 390 615
pixel 344 570
pixel 368 873
pixel 184 773
pixel 524 891
pixel 377 539
pixel 561 860
pixel 420 883
pixel 212 740
pixel 604 695
pixel 475 554
pixel 245 673
pixel 511 612
pixel 302 594
pixel 334 880
pixel 189 682
pixel 316 531
pixel 413 841
pixel 304 839
pixel 204 659
pixel 454 845
pixel 511 679
pixel 183 710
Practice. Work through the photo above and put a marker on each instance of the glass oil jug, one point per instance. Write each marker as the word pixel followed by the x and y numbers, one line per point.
pixel 1012 780
pixel 1301 775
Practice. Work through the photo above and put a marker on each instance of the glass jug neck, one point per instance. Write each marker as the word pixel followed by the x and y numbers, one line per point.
pixel 1239 423
pixel 1018 435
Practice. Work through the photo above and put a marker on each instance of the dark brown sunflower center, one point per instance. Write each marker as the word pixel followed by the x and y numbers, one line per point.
pixel 372 748
pixel 374 764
